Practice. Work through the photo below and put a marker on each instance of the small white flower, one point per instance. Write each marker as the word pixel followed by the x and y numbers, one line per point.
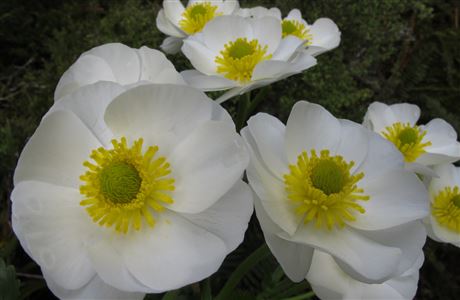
pixel 118 63
pixel 328 281
pixel 421 145
pixel 179 22
pixel 332 185
pixel 443 223
pixel 124 192
pixel 242 54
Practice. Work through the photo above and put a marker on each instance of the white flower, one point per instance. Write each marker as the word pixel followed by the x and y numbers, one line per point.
pixel 443 223
pixel 259 12
pixel 331 185
pixel 117 63
pixel 328 281
pixel 242 54
pixel 421 145
pixel 179 22
pixel 124 192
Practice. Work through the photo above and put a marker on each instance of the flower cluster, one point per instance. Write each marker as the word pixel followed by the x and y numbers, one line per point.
pixel 133 181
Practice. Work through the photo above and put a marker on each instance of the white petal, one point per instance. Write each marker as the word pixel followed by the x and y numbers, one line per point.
pixel 161 114
pixel 86 70
pixel 268 133
pixel 229 6
pixel 172 254
pixel 219 31
pixel 269 189
pixel 444 234
pixel 56 151
pixel 351 249
pixel 54 227
pixel 354 143
pixel 96 289
pixel 173 10
pixel 230 94
pixel 396 197
pixel 229 217
pixel 259 12
pixel 207 82
pixel 156 68
pixel 406 113
pixel 168 28
pixel 448 175
pixel 89 104
pixel 171 45
pixel 294 14
pixel 267 30
pixel 325 34
pixel 294 258
pixel 379 116
pixel 310 126
pixel 201 57
pixel 206 165
pixel 287 47
pixel 270 69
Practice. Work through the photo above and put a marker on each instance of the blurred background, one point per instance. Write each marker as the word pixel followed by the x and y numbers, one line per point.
pixel 391 51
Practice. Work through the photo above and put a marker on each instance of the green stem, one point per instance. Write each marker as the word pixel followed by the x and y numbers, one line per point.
pixel 261 253
pixel 308 295
pixel 171 295
pixel 244 102
pixel 206 293
pixel 261 94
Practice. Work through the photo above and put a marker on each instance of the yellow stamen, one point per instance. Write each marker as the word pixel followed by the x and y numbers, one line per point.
pixel 446 208
pixel 323 191
pixel 296 28
pixel 196 16
pixel 123 186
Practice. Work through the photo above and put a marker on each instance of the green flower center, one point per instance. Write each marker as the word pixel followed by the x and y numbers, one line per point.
pixel 328 177
pixel 288 27
pixel 241 48
pixel 408 135
pixel 120 182
pixel 456 200
pixel 198 10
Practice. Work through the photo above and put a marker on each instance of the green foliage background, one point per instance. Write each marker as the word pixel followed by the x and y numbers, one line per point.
pixel 391 51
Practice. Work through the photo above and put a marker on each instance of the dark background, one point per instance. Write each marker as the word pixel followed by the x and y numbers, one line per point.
pixel 391 51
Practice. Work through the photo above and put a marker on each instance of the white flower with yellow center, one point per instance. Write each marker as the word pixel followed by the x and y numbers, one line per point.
pixel 118 63
pixel 329 281
pixel 124 192
pixel 242 54
pixel 330 185
pixel 179 22
pixel 421 145
pixel 443 224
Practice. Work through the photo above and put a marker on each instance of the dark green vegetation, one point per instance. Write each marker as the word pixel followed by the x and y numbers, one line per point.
pixel 391 50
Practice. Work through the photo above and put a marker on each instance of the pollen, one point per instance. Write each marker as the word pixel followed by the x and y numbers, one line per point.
pixel 239 58
pixel 323 191
pixel 446 208
pixel 196 16
pixel 296 28
pixel 408 139
pixel 124 187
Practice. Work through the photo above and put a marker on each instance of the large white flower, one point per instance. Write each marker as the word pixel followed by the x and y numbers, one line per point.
pixel 124 192
pixel 242 54
pixel 422 145
pixel 331 185
pixel 179 22
pixel 117 63
pixel 443 223
pixel 328 281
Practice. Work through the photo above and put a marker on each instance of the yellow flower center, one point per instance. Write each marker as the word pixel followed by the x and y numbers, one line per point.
pixel 195 17
pixel 296 28
pixel 323 190
pixel 408 139
pixel 124 186
pixel 239 58
pixel 446 208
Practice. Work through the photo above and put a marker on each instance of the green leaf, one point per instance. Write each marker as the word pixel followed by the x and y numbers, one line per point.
pixel 9 285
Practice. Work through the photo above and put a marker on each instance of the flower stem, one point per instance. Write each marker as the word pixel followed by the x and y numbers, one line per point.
pixel 308 295
pixel 243 104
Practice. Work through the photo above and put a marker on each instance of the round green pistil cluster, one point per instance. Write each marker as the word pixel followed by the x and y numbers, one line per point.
pixel 120 182
pixel 328 177
pixel 241 48
pixel 456 200
pixel 408 136
pixel 288 27
pixel 197 10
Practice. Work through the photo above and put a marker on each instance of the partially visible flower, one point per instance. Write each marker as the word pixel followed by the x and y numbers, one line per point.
pixel 122 192
pixel 443 224
pixel 242 54
pixel 421 145
pixel 259 12
pixel 329 185
pixel 329 281
pixel 179 22
pixel 118 63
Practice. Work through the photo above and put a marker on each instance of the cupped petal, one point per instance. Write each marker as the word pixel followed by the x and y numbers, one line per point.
pixel 378 117
pixel 171 45
pixel 267 31
pixel 206 165
pixel 229 217
pixel 156 68
pixel 172 254
pixel 201 57
pixel 86 70
pixel 54 228
pixel 287 47
pixel 221 30
pixel 96 289
pixel 239 90
pixel 162 114
pixel 354 143
pixel 270 69
pixel 448 175
pixel 168 28
pixel 406 113
pixel 173 10
pixel 310 126
pixel 207 82
pixel 325 35
pixel 228 7
pixel 444 234
pixel 295 14
pixel 57 150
